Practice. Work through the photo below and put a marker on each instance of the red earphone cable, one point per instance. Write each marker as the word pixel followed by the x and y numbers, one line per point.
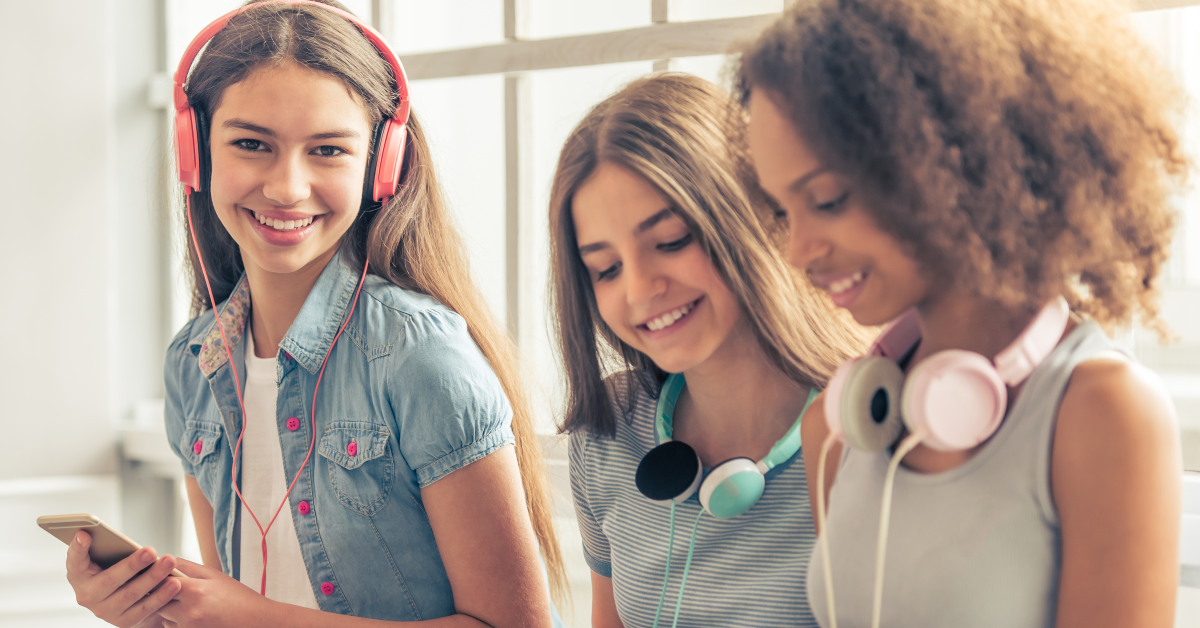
pixel 238 390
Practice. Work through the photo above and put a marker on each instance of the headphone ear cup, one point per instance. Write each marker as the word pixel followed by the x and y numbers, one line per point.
pixel 186 156
pixel 954 399
pixel 732 488
pixel 870 403
pixel 670 471
pixel 387 158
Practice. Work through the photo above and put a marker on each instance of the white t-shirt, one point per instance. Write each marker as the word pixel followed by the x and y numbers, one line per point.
pixel 263 487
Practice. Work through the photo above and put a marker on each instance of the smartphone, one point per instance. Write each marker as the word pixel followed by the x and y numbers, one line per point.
pixel 108 548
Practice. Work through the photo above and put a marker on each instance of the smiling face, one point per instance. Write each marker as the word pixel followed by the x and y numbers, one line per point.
pixel 655 286
pixel 831 235
pixel 289 150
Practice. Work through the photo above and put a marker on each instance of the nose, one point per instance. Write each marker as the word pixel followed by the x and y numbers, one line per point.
pixel 287 181
pixel 643 282
pixel 805 244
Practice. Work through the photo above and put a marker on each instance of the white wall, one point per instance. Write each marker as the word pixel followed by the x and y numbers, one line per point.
pixel 81 250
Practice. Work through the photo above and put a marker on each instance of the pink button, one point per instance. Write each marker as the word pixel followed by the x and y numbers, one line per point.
pixel 351 449
pixel 293 424
pixel 327 588
pixel 304 510
pixel 287 355
pixel 199 447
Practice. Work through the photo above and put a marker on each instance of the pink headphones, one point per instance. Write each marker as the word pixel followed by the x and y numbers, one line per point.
pixel 191 129
pixel 383 177
pixel 953 400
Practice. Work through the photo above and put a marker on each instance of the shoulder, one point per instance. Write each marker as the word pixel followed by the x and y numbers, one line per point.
pixel 1115 400
pixel 1116 426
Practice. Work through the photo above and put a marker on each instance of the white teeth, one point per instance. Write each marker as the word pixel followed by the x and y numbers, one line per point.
pixel 284 225
pixel 839 287
pixel 668 319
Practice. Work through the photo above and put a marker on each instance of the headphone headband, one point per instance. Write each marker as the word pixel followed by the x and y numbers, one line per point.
pixel 781 451
pixel 210 31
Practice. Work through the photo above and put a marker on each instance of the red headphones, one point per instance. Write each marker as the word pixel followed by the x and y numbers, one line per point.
pixel 191 129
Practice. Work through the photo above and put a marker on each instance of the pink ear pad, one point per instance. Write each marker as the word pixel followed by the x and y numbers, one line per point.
pixel 391 156
pixel 833 396
pixel 954 399
pixel 187 149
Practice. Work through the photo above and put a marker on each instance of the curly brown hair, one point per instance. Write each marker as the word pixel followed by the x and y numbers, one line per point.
pixel 1020 148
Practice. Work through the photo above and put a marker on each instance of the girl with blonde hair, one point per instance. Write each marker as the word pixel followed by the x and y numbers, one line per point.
pixel 687 342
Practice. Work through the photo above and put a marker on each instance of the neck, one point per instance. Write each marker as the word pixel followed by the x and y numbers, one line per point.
pixel 956 321
pixel 276 299
pixel 736 403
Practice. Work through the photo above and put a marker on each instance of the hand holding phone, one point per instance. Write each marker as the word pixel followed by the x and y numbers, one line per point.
pixel 132 589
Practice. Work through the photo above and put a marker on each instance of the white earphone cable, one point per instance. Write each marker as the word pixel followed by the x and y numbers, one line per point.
pixel 823 537
pixel 885 515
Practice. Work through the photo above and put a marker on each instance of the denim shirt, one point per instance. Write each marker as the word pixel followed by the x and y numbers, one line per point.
pixel 406 399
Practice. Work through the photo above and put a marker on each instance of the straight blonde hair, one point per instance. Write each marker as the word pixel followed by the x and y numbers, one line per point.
pixel 686 138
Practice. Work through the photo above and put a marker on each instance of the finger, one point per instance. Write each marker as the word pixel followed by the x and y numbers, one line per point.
pixel 158 597
pixel 78 560
pixel 108 581
pixel 131 592
pixel 194 570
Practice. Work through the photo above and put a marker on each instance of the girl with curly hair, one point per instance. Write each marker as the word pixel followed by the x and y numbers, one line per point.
pixel 685 334
pixel 973 163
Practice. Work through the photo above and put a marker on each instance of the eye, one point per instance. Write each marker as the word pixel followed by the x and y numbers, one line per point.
pixel 835 204
pixel 251 146
pixel 328 151
pixel 609 272
pixel 675 245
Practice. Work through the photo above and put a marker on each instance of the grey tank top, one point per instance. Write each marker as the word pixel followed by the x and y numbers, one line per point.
pixel 979 545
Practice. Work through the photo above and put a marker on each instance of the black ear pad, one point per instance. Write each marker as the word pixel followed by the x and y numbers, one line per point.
pixel 368 195
pixel 202 146
pixel 668 471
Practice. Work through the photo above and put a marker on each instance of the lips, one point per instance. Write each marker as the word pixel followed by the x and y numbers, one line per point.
pixel 843 288
pixel 282 229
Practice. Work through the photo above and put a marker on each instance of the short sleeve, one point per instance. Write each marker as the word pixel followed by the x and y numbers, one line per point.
pixel 173 365
pixel 448 403
pixel 596 550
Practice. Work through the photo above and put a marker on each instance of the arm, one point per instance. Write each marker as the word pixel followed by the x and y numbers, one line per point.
pixel 813 431
pixel 483 533
pixel 604 605
pixel 1115 475
pixel 202 516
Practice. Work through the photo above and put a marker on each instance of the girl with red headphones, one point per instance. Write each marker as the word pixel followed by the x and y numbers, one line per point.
pixel 344 407
pixel 992 179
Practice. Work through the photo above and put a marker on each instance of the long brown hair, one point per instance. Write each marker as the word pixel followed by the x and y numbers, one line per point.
pixel 410 240
pixel 1020 148
pixel 685 137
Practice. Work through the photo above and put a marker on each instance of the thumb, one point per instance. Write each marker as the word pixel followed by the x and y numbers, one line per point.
pixel 195 570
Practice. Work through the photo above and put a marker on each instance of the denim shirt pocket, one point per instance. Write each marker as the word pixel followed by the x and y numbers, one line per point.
pixel 197 445
pixel 361 464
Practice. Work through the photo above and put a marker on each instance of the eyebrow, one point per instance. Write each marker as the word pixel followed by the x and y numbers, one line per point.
pixel 236 123
pixel 642 227
pixel 799 183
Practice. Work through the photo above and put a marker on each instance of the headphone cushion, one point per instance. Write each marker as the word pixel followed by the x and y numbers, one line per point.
pixel 669 471
pixel 187 158
pixel 870 403
pixel 954 399
pixel 732 488
pixel 383 173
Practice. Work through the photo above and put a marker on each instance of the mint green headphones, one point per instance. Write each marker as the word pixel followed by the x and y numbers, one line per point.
pixel 672 470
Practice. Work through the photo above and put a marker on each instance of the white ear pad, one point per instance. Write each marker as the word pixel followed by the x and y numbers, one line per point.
pixel 954 399
pixel 732 488
pixel 870 403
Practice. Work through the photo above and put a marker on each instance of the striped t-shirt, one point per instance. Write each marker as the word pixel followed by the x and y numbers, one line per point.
pixel 746 571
